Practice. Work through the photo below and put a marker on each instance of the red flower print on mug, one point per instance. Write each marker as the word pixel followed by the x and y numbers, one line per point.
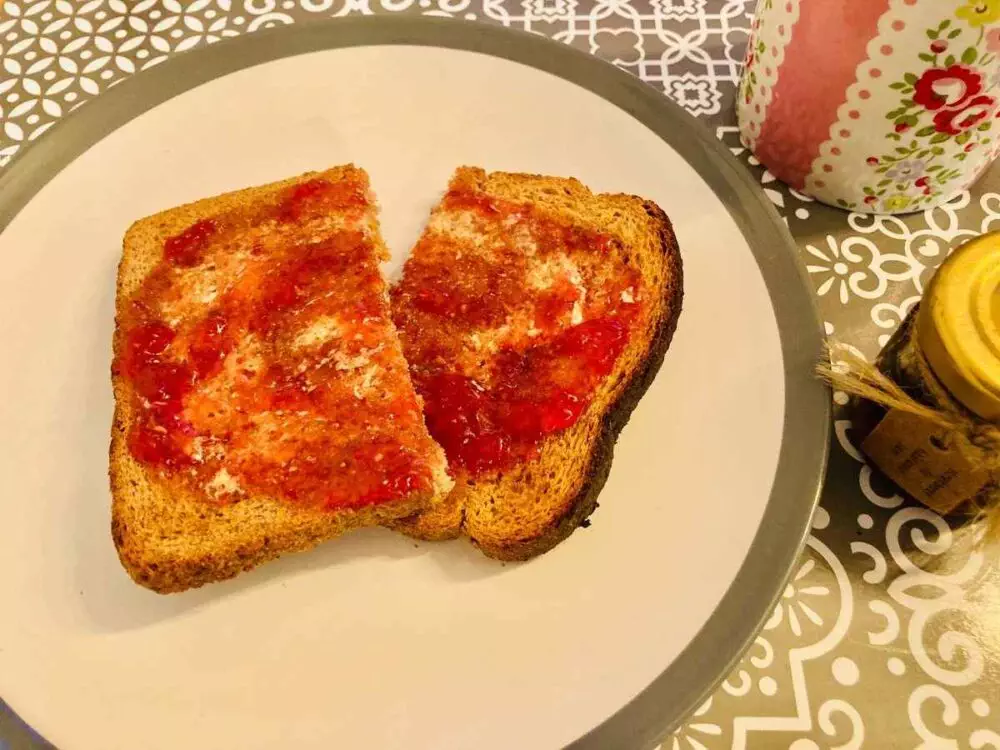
pixel 955 121
pixel 947 87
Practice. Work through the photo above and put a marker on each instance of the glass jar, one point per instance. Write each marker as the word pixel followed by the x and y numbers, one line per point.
pixel 944 447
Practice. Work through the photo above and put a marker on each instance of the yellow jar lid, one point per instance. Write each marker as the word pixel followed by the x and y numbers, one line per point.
pixel 958 326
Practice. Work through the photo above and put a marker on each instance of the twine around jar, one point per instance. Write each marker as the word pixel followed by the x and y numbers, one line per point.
pixel 979 440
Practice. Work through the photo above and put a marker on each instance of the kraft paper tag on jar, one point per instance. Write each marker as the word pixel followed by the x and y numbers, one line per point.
pixel 938 467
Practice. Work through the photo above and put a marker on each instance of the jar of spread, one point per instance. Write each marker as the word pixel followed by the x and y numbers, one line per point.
pixel 929 412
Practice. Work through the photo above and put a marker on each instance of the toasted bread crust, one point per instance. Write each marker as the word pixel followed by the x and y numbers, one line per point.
pixel 495 521
pixel 170 540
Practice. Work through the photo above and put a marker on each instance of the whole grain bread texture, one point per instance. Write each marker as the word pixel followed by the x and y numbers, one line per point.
pixel 170 540
pixel 527 510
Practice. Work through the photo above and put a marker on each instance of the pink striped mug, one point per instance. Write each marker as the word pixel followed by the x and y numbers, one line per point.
pixel 873 105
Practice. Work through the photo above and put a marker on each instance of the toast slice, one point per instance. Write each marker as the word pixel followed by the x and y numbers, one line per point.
pixel 262 402
pixel 533 314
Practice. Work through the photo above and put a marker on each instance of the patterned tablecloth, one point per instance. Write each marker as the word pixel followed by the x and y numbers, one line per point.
pixel 888 634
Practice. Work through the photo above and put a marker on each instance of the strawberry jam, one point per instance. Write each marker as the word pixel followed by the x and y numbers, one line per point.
pixel 151 444
pixel 511 329
pixel 534 393
pixel 211 341
pixel 185 249
pixel 258 358
pixel 318 196
pixel 146 345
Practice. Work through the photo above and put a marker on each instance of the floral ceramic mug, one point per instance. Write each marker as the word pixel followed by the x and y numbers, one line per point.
pixel 873 105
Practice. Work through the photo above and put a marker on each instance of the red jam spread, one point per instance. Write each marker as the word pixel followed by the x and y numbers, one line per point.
pixel 511 321
pixel 260 357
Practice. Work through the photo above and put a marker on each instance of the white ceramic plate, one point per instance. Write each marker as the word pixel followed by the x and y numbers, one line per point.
pixel 373 641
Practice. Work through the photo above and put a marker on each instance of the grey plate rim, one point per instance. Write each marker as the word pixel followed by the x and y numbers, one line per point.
pixel 804 453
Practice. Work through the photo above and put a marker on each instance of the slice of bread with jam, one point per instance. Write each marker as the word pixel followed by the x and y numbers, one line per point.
pixel 533 314
pixel 262 402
